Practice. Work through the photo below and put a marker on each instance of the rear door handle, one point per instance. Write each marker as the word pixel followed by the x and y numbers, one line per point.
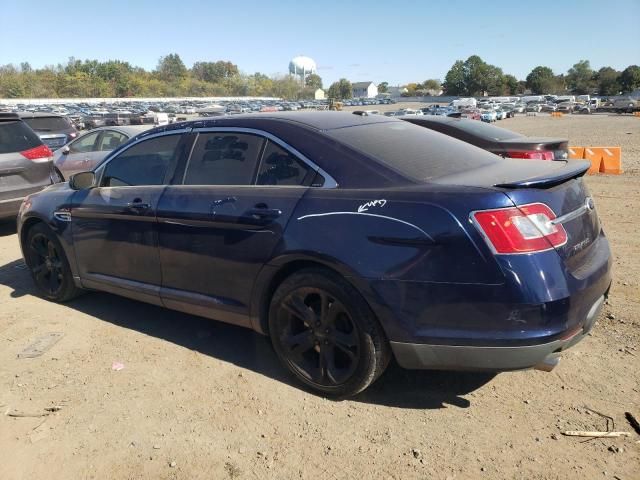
pixel 263 213
pixel 138 205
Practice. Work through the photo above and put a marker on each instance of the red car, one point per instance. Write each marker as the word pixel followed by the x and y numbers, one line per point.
pixel 471 114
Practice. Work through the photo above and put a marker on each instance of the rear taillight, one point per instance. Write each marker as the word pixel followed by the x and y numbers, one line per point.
pixel 37 153
pixel 531 155
pixel 524 229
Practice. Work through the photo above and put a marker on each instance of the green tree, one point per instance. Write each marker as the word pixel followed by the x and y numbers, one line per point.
pixel 341 89
pixel 383 87
pixel 493 81
pixel 313 81
pixel 607 79
pixel 510 84
pixel 454 81
pixel 630 78
pixel 540 80
pixel 171 68
pixel 475 75
pixel 580 78
pixel 214 71
pixel 432 84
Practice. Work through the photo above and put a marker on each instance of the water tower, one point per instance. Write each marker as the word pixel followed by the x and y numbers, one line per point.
pixel 302 67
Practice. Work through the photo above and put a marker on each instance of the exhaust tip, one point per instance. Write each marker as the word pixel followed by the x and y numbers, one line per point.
pixel 548 363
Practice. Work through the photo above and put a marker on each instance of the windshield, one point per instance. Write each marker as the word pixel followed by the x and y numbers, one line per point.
pixel 47 124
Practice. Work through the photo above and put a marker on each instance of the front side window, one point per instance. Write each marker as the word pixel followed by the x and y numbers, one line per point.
pixel 223 158
pixel 84 144
pixel 146 163
pixel 110 140
pixel 279 167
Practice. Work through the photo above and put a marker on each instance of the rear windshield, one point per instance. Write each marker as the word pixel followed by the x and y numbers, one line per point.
pixel 484 130
pixel 47 124
pixel 415 152
pixel 17 137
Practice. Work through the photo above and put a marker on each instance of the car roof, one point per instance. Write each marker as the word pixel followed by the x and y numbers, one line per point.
pixel 129 130
pixel 38 114
pixel 319 120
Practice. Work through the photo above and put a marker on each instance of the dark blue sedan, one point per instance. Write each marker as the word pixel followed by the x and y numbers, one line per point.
pixel 347 239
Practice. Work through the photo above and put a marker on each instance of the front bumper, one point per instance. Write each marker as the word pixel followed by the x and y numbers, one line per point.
pixel 462 357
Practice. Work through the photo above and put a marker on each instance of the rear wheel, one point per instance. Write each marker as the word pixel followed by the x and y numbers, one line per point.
pixel 325 333
pixel 48 264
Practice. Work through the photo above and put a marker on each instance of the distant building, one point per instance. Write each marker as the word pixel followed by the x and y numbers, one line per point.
pixel 319 94
pixel 364 90
pixel 396 92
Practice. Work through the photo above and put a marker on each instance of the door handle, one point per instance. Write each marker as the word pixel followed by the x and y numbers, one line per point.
pixel 138 205
pixel 263 213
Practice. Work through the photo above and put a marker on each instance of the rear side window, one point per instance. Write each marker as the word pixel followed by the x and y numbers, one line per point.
pixel 279 167
pixel 415 152
pixel 17 137
pixel 84 144
pixel 48 124
pixel 224 158
pixel 146 163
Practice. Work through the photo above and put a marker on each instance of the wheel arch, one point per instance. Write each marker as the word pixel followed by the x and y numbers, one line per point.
pixel 25 226
pixel 273 274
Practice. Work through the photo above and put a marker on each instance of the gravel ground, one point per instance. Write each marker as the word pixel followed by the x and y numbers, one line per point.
pixel 201 399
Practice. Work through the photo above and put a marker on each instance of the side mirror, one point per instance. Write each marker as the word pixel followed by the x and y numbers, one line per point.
pixel 82 180
pixel 65 150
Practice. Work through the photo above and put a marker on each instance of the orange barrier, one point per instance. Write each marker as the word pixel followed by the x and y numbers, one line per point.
pixel 611 160
pixel 576 153
pixel 603 159
pixel 636 114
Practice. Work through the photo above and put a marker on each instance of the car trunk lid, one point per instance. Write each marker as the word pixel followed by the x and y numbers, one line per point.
pixel 559 185
pixel 559 146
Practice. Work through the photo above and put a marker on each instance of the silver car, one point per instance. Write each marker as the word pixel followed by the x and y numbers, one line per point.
pixel 25 164
pixel 86 151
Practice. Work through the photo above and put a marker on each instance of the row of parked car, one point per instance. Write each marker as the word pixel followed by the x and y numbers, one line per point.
pixel 50 139
pixel 487 113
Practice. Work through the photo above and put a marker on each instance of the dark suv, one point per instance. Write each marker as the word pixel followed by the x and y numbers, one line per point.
pixel 54 130
pixel 25 163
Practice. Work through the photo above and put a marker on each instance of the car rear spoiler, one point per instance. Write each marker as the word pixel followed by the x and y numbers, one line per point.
pixel 573 169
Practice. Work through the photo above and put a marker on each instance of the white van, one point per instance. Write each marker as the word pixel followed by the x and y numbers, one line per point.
pixel 161 119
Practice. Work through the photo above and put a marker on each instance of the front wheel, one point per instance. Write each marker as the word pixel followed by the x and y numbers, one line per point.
pixel 326 335
pixel 48 264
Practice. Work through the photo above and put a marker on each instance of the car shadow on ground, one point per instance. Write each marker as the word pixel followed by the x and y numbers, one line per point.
pixel 7 228
pixel 397 387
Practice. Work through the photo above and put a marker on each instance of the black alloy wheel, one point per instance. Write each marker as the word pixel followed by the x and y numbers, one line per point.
pixel 318 336
pixel 325 333
pixel 48 264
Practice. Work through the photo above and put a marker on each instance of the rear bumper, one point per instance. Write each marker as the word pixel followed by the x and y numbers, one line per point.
pixel 463 357
pixel 9 208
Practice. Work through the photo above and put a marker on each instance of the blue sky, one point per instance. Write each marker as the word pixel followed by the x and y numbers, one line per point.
pixel 398 42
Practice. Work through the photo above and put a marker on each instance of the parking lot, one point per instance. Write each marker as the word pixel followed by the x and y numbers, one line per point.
pixel 201 399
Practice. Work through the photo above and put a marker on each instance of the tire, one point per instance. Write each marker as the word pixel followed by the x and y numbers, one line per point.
pixel 48 265
pixel 338 353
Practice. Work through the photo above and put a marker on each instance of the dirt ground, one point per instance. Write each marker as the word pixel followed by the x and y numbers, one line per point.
pixel 201 399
